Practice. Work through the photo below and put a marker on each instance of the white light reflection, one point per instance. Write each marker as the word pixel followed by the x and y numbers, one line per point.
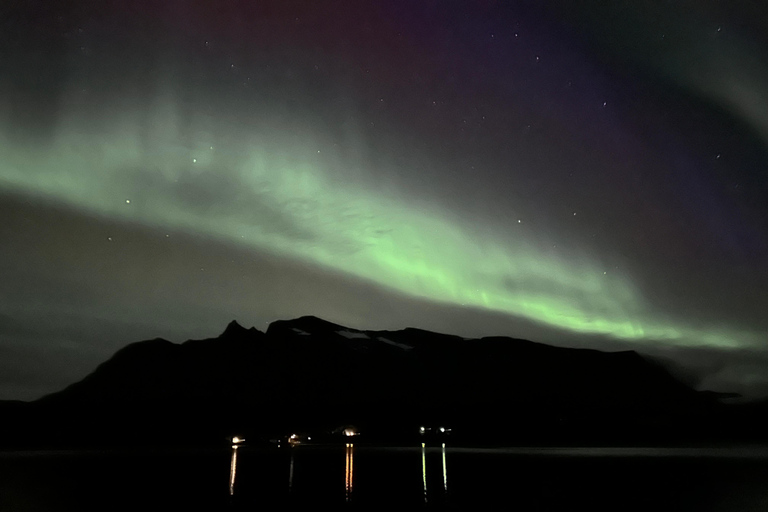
pixel 349 473
pixel 445 472
pixel 232 470
pixel 424 469
pixel 290 474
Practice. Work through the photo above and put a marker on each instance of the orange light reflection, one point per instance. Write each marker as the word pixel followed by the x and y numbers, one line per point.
pixel 349 473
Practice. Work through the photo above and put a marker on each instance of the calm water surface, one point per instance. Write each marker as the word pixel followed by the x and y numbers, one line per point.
pixel 363 477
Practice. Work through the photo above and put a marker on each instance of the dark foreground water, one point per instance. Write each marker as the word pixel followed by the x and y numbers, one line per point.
pixel 360 477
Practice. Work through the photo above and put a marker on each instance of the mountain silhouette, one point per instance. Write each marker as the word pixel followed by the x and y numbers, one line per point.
pixel 311 374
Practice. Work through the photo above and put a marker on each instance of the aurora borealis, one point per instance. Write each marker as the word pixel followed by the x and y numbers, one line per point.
pixel 569 172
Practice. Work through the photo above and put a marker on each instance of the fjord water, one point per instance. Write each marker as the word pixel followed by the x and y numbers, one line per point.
pixel 366 477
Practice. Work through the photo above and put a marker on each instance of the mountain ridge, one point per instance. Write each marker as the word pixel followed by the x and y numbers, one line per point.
pixel 312 373
pixel 292 334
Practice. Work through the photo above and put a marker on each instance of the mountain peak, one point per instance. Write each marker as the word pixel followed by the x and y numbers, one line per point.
pixel 310 319
pixel 307 323
pixel 234 328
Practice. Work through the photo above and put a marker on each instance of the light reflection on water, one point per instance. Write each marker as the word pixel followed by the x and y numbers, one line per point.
pixel 445 472
pixel 424 472
pixel 390 474
pixel 717 479
pixel 424 469
pixel 349 469
pixel 349 472
pixel 290 472
pixel 232 469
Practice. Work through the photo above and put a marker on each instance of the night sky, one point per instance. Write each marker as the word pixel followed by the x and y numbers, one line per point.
pixel 580 173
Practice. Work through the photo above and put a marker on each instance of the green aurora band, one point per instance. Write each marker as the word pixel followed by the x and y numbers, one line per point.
pixel 261 195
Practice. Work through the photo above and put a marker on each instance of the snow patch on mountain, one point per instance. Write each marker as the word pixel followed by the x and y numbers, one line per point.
pixel 352 335
pixel 402 346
